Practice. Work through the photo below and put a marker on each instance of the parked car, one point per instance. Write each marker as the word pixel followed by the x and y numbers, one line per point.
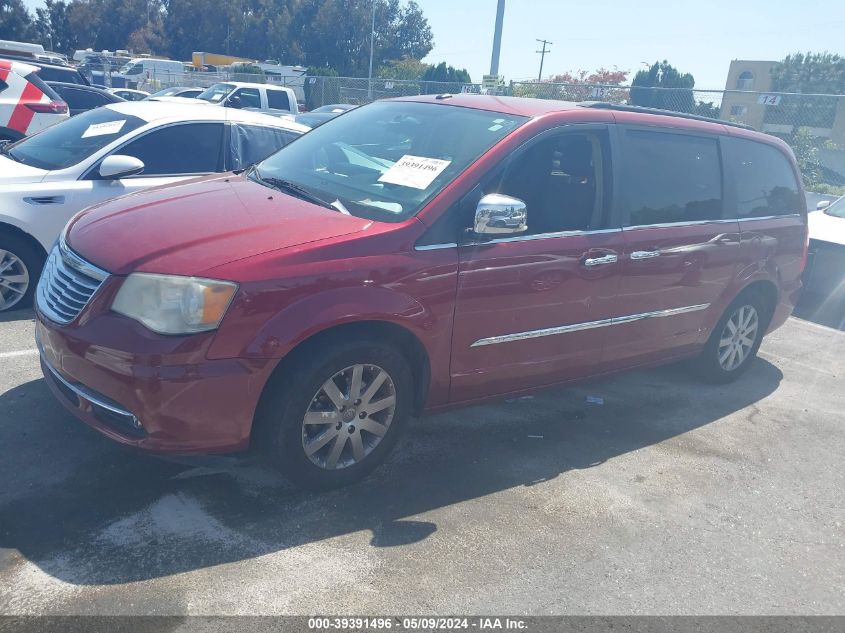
pixel 107 152
pixel 127 94
pixel 178 91
pixel 322 114
pixel 256 97
pixel 27 104
pixel 825 275
pixel 50 72
pixel 83 98
pixel 308 306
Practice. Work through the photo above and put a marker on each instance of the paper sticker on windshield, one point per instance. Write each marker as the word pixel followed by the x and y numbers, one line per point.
pixel 414 171
pixel 217 97
pixel 103 129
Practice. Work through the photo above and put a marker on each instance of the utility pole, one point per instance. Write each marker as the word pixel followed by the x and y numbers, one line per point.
pixel 372 47
pixel 542 54
pixel 497 38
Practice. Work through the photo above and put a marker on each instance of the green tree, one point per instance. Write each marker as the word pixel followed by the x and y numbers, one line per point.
pixel 446 74
pixel 663 86
pixel 53 26
pixel 820 73
pixel 15 21
pixel 806 149
pixel 408 69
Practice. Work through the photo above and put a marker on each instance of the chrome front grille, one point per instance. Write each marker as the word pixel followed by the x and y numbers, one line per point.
pixel 67 284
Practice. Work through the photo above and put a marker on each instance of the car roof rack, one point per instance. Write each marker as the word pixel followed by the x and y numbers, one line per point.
pixel 604 105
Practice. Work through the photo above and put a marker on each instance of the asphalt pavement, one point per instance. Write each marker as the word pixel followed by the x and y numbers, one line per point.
pixel 648 493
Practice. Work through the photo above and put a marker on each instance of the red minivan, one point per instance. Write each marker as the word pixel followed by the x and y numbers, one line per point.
pixel 412 255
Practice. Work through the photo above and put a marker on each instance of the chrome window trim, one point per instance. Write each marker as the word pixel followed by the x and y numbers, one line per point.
pixel 702 222
pixel 540 236
pixel 587 325
pixel 83 393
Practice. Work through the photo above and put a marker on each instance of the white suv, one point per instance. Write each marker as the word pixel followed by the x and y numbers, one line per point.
pixel 27 104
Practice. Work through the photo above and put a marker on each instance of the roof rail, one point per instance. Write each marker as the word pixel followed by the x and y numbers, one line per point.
pixel 603 105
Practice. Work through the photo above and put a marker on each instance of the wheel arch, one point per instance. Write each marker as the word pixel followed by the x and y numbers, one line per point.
pixel 767 290
pixel 11 229
pixel 407 343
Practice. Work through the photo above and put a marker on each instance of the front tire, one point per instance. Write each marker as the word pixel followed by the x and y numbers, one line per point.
pixel 20 268
pixel 734 342
pixel 334 420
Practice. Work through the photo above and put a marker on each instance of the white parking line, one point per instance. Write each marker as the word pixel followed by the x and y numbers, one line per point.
pixel 23 352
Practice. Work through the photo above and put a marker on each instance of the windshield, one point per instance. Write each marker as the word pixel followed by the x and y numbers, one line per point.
pixel 72 141
pixel 384 161
pixel 166 92
pixel 216 93
pixel 837 209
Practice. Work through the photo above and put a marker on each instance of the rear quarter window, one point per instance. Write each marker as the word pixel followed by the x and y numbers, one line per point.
pixel 765 181
pixel 278 100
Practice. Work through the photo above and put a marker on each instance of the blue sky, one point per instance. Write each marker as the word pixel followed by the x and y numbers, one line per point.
pixel 700 37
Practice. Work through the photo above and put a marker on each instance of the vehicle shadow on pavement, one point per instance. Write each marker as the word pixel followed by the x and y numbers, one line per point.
pixel 26 314
pixel 88 512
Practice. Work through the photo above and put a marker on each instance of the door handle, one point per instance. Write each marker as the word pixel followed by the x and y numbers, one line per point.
pixel 600 261
pixel 644 254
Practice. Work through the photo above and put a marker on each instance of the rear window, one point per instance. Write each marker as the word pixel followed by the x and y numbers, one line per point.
pixel 72 141
pixel 671 178
pixel 65 75
pixel 765 182
pixel 278 100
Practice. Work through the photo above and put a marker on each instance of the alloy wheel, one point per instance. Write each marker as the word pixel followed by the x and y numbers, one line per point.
pixel 14 279
pixel 738 337
pixel 348 416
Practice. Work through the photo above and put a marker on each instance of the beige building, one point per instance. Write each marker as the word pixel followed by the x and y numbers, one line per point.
pixel 748 99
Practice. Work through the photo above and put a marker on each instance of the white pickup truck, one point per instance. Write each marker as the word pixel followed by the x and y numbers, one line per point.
pixel 266 98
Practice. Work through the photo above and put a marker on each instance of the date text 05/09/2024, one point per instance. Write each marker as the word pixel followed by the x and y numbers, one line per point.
pixel 415 623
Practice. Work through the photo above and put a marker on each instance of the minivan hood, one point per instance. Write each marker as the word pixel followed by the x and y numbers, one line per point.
pixel 193 226
pixel 12 172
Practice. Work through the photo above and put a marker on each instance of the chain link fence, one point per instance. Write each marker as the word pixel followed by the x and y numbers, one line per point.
pixel 814 124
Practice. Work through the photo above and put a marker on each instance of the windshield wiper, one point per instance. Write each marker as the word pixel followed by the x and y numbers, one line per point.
pixel 286 186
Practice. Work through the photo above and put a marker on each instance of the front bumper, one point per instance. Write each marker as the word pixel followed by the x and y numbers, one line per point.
pixel 155 393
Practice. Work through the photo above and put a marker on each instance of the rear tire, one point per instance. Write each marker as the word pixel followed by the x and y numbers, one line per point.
pixel 734 342
pixel 313 421
pixel 20 268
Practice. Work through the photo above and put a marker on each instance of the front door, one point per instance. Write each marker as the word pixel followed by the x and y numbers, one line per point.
pixel 532 309
pixel 679 252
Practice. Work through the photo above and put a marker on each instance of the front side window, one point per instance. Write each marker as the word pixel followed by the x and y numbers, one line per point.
pixel 384 161
pixel 135 69
pixel 246 98
pixel 250 144
pixel 216 93
pixel 669 178
pixel 70 142
pixel 190 148
pixel 765 182
pixel 560 179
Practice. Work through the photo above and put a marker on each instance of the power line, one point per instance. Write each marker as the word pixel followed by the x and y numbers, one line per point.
pixel 542 54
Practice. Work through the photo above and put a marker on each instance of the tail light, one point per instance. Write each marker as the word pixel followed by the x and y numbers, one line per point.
pixel 51 107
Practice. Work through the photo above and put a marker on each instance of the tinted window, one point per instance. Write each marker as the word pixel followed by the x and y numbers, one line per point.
pixel 560 180
pixel 765 182
pixel 192 148
pixel 252 143
pixel 278 100
pixel 3 85
pixel 36 81
pixel 66 75
pixel 671 178
pixel 249 98
pixel 69 142
pixel 83 99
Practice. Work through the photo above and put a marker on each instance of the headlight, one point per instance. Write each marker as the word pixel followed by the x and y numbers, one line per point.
pixel 169 304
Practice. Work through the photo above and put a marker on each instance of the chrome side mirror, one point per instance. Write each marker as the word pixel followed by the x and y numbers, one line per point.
pixel 822 205
pixel 500 215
